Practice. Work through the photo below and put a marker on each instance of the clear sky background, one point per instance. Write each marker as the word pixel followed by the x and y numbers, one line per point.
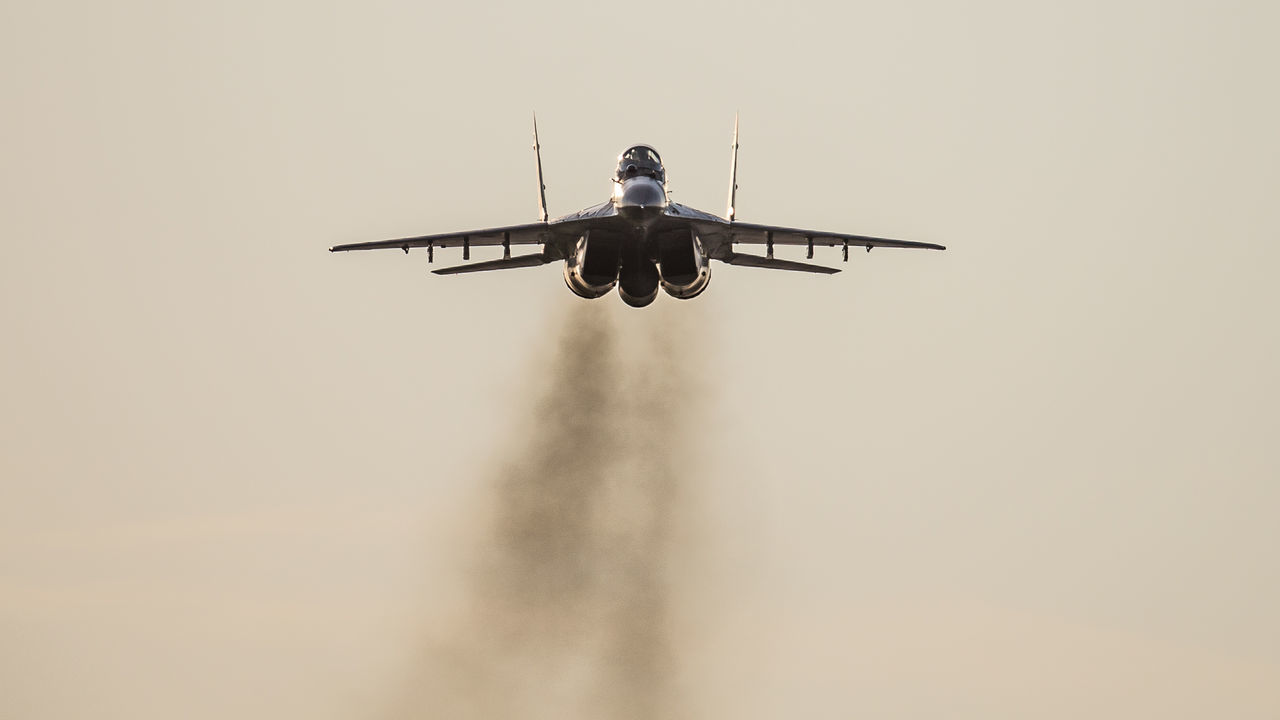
pixel 1032 476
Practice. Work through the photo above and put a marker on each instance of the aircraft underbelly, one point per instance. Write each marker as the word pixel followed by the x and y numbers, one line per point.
pixel 638 262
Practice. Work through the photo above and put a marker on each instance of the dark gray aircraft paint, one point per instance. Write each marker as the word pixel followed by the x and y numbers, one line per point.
pixel 638 240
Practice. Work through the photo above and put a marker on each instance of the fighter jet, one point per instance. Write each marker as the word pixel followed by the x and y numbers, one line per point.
pixel 638 240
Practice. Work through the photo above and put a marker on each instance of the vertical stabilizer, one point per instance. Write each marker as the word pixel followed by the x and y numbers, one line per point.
pixel 733 172
pixel 542 187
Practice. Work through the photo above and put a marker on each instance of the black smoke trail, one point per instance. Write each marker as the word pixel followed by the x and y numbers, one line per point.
pixel 568 603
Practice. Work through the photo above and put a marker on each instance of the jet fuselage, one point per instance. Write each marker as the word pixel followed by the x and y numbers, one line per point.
pixel 637 253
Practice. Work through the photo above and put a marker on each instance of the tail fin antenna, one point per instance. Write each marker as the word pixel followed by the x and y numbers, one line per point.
pixel 733 172
pixel 542 187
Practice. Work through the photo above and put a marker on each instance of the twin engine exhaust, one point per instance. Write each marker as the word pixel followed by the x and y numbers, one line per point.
pixel 673 261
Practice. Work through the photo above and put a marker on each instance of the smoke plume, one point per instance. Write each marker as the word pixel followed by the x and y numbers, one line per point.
pixel 568 601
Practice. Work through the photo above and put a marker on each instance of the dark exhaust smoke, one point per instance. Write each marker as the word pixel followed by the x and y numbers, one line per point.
pixel 568 605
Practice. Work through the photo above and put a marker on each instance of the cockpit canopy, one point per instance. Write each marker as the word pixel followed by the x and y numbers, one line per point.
pixel 640 160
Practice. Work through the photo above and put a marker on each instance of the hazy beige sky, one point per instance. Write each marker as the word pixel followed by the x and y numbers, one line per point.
pixel 1033 476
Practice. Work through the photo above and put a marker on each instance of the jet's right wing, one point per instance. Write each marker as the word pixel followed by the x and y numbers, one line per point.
pixel 553 244
pixel 557 239
pixel 530 234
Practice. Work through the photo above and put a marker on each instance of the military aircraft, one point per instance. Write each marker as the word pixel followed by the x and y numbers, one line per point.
pixel 638 240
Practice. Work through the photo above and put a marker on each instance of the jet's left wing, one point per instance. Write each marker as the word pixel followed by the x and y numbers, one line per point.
pixel 724 235
pixel 719 236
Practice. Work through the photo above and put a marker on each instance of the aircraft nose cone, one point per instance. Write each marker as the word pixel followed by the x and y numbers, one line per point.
pixel 642 193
